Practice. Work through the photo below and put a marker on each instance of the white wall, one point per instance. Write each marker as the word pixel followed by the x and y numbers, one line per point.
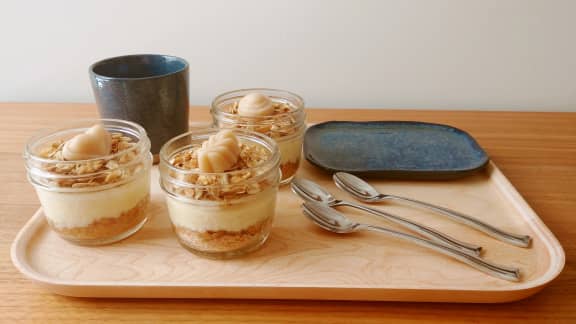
pixel 451 54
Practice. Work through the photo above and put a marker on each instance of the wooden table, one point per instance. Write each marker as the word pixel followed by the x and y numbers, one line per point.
pixel 537 151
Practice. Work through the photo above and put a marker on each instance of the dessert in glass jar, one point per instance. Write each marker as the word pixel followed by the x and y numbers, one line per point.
pixel 92 178
pixel 221 189
pixel 278 114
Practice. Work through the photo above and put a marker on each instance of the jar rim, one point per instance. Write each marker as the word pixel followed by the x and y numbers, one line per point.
pixel 147 165
pixel 206 132
pixel 78 123
pixel 299 104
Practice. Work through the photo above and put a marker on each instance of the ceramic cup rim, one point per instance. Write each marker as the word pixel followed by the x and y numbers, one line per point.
pixel 114 58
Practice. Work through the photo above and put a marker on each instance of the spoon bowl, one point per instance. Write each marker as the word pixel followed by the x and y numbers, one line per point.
pixel 311 191
pixel 357 187
pixel 328 218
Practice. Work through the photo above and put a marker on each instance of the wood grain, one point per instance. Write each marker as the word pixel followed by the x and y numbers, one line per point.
pixel 301 261
pixel 537 152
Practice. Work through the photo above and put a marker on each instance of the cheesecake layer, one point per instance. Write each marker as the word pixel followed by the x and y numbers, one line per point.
pixel 218 216
pixel 79 209
pixel 290 150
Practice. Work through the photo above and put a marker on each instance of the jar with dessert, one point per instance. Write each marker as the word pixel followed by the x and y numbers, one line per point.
pixel 92 178
pixel 278 114
pixel 221 188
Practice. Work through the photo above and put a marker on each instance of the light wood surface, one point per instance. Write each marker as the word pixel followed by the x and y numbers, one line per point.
pixel 302 261
pixel 536 151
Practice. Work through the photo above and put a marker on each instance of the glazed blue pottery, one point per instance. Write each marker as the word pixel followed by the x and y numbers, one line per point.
pixel 149 89
pixel 394 149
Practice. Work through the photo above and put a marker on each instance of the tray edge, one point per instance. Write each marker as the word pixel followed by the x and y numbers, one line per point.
pixel 553 246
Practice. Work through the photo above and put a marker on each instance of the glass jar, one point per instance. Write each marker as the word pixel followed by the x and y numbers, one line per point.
pixel 220 214
pixel 96 201
pixel 286 126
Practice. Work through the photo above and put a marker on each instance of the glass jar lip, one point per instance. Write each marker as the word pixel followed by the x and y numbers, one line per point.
pixel 52 175
pixel 77 123
pixel 274 159
pixel 147 163
pixel 216 110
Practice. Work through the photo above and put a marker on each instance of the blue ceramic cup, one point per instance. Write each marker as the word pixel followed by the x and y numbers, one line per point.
pixel 148 89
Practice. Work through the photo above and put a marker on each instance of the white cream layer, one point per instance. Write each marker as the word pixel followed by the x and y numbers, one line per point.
pixel 213 217
pixel 290 150
pixel 71 209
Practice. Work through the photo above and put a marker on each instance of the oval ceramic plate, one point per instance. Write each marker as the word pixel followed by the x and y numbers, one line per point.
pixel 394 149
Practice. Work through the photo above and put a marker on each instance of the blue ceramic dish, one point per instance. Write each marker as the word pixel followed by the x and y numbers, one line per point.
pixel 394 149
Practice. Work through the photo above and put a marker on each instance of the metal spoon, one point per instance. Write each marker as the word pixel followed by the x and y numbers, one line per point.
pixel 363 191
pixel 334 221
pixel 311 191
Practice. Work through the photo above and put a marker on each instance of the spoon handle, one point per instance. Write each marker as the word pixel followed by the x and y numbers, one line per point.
pixel 503 272
pixel 425 231
pixel 514 239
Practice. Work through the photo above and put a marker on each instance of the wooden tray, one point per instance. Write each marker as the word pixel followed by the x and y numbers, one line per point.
pixel 301 261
